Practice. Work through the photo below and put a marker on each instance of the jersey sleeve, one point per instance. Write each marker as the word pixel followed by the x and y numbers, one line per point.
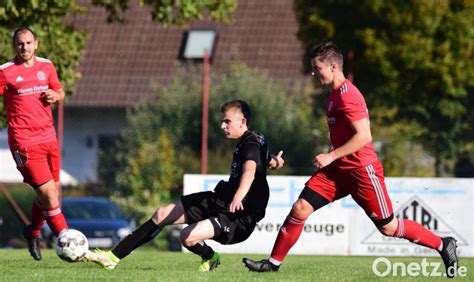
pixel 3 83
pixel 354 107
pixel 54 82
pixel 251 151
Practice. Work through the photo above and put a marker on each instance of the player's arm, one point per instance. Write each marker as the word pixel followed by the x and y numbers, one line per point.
pixel 248 175
pixel 276 161
pixel 359 139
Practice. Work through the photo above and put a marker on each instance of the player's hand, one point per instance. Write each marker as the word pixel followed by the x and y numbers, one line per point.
pixel 50 96
pixel 277 161
pixel 323 160
pixel 236 205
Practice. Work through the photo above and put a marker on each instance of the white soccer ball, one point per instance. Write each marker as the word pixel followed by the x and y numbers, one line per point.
pixel 71 245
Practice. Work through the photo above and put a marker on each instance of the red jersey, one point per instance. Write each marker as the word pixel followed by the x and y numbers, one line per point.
pixel 347 105
pixel 30 120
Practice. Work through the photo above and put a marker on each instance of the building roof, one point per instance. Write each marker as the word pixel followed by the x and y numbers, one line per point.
pixel 123 60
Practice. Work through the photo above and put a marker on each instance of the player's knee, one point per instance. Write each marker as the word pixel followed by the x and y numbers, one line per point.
pixel 48 197
pixel 159 214
pixel 301 209
pixel 186 239
pixel 388 229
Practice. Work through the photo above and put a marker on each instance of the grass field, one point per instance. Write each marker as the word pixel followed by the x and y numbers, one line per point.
pixel 151 265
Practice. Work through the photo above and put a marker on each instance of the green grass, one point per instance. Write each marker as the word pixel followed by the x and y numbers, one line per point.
pixel 151 265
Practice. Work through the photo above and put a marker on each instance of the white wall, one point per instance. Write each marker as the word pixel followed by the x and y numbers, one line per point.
pixel 82 127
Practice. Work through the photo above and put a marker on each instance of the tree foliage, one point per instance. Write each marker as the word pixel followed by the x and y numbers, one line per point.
pixel 412 57
pixel 148 174
pixel 174 12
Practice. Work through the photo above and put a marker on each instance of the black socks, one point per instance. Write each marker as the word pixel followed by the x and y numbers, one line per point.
pixel 146 232
pixel 202 250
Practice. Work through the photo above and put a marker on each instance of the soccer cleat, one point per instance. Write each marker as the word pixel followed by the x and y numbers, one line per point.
pixel 33 243
pixel 263 265
pixel 449 256
pixel 210 264
pixel 106 259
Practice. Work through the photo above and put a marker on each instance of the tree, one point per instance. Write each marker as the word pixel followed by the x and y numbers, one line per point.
pixel 62 44
pixel 174 12
pixel 148 174
pixel 176 109
pixel 411 57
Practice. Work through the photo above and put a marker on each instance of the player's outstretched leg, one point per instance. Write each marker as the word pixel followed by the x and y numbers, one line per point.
pixel 260 266
pixel 106 259
pixel 33 243
pixel 449 256
pixel 210 264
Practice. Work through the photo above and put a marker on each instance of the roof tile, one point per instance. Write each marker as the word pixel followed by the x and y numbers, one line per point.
pixel 122 60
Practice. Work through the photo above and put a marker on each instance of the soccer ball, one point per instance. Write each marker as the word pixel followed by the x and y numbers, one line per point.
pixel 71 245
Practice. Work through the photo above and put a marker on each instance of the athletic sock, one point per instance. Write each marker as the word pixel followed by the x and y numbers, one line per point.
pixel 146 232
pixel 414 232
pixel 274 261
pixel 202 249
pixel 37 219
pixel 287 237
pixel 55 219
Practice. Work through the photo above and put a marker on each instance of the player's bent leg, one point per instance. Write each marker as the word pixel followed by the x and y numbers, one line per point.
pixel 192 238
pixel 308 202
pixel 287 236
pixel 291 229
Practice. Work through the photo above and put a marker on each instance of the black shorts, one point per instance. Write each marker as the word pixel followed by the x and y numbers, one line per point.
pixel 229 228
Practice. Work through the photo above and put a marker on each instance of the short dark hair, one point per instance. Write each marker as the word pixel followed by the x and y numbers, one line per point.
pixel 238 104
pixel 22 30
pixel 327 52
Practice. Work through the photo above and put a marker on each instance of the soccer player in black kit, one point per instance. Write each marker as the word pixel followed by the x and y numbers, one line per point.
pixel 228 215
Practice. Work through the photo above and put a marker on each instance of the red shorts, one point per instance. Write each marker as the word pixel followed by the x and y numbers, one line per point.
pixel 38 163
pixel 366 185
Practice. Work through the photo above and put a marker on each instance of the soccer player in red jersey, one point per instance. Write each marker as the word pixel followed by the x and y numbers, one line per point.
pixel 29 85
pixel 351 167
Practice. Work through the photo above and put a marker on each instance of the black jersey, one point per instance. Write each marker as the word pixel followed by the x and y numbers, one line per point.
pixel 252 146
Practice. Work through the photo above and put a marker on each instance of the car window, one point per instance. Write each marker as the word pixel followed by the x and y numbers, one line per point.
pixel 91 210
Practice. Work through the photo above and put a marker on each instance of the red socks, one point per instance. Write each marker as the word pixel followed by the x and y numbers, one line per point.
pixel 287 237
pixel 55 219
pixel 414 232
pixel 407 229
pixel 37 219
